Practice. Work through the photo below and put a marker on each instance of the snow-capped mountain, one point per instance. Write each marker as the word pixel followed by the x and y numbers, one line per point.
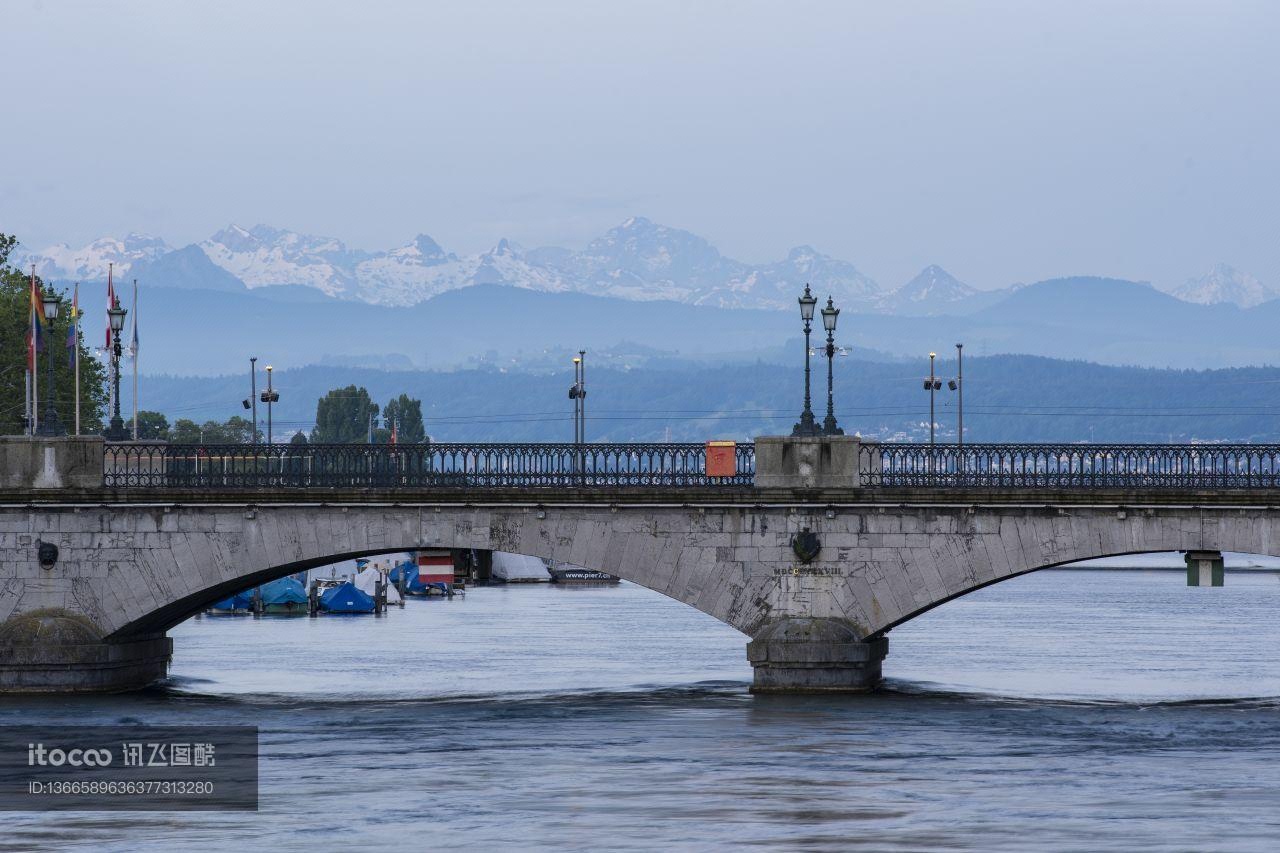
pixel 637 260
pixel 262 256
pixel 89 263
pixel 640 259
pixel 932 291
pixel 1224 283
pixel 779 284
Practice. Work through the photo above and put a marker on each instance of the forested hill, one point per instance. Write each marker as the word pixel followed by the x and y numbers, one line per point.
pixel 1007 398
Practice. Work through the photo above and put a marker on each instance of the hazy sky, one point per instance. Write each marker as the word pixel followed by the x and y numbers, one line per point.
pixel 1006 141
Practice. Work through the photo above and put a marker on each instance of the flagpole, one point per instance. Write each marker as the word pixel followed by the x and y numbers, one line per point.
pixel 35 374
pixel 111 300
pixel 31 342
pixel 134 347
pixel 75 346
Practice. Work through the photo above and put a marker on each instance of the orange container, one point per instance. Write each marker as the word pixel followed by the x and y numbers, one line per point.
pixel 722 459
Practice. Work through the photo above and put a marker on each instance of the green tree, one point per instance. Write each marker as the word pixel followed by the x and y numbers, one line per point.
pixel 15 321
pixel 235 430
pixel 238 430
pixel 299 437
pixel 406 413
pixel 342 416
pixel 185 431
pixel 152 426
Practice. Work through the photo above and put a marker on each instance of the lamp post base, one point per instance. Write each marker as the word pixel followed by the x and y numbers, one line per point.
pixel 807 426
pixel 51 427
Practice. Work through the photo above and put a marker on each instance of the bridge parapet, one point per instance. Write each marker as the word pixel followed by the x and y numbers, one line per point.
pixel 815 463
pixel 46 463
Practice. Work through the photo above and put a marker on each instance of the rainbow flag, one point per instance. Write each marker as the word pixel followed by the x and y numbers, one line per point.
pixel 35 342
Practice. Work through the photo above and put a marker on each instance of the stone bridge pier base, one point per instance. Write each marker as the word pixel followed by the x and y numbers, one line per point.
pixel 56 651
pixel 813 655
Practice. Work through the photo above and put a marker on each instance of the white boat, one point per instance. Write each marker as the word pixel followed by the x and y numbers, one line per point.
pixel 517 568
pixel 369 578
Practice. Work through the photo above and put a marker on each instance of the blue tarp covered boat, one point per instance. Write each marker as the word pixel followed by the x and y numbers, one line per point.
pixel 345 598
pixel 284 595
pixel 240 602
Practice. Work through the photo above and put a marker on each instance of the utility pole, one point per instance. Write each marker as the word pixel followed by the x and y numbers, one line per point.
pixel 932 384
pixel 269 396
pixel 253 393
pixel 578 394
pixel 957 385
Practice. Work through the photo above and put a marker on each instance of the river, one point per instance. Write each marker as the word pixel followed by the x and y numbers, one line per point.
pixel 1068 710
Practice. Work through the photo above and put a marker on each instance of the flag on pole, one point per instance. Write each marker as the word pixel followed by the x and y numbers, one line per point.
pixel 73 327
pixel 73 340
pixel 38 321
pixel 133 343
pixel 111 301
pixel 133 353
pixel 35 341
pixel 393 431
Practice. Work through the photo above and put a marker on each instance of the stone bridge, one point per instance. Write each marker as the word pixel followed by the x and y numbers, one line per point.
pixel 815 552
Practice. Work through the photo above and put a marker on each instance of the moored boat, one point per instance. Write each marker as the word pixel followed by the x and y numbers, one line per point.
pixel 518 568
pixel 346 598
pixel 284 596
pixel 569 573
pixel 235 605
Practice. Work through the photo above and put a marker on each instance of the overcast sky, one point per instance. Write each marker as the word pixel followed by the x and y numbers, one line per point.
pixel 1006 141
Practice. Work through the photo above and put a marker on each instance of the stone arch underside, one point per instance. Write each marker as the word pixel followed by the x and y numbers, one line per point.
pixel 986 547
pixel 160 568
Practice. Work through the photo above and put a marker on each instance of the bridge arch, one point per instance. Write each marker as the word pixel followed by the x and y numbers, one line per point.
pixel 174 613
pixel 166 564
pixel 941 554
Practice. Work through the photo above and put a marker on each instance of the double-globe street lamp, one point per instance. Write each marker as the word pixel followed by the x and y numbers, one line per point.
pixel 115 319
pixel 808 426
pixel 50 425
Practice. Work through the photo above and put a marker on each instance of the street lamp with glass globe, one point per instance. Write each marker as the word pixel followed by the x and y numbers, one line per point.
pixel 807 425
pixel 115 318
pixel 50 425
pixel 829 316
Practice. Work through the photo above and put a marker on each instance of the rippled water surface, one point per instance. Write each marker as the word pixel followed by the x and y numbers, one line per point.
pixel 1074 710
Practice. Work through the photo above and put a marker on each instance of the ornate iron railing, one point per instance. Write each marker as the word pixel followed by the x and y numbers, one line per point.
pixel 417 466
pixel 1071 466
pixel 462 466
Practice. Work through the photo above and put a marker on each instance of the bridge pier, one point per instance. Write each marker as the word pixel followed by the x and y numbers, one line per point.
pixel 809 655
pixel 57 651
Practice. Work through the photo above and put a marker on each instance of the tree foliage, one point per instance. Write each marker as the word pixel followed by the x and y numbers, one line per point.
pixel 342 416
pixel 152 426
pixel 235 430
pixel 15 321
pixel 406 414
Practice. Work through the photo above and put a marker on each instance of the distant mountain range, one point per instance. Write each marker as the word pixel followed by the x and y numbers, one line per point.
pixel 638 260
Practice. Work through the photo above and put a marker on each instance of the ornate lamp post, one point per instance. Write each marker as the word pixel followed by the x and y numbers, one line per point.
pixel 807 426
pixel 829 316
pixel 115 317
pixel 50 425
